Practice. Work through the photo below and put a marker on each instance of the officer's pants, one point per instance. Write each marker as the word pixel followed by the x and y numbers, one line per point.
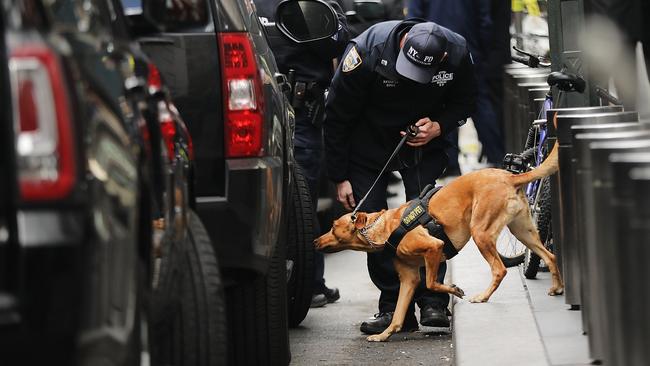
pixel 380 264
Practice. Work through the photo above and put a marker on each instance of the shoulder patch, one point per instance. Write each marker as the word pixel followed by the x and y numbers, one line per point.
pixel 352 60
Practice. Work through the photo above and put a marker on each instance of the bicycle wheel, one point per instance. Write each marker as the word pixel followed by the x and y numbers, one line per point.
pixel 542 215
pixel 511 250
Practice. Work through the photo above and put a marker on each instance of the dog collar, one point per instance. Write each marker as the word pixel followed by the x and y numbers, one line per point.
pixel 364 233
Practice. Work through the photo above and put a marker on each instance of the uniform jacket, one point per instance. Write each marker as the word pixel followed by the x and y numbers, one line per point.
pixel 369 103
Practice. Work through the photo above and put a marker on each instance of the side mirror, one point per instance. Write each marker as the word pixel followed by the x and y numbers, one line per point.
pixel 306 20
pixel 167 15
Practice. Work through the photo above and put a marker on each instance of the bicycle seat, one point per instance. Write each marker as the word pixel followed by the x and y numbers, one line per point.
pixel 566 81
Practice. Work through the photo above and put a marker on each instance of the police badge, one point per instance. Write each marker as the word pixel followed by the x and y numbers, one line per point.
pixel 352 60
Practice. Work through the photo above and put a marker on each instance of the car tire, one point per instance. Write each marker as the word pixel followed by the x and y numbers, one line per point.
pixel 257 316
pixel 188 320
pixel 300 250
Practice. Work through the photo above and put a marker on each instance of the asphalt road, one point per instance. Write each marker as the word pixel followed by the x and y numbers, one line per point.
pixel 330 335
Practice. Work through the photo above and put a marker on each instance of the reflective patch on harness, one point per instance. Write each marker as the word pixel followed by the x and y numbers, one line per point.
pixel 413 215
pixel 352 60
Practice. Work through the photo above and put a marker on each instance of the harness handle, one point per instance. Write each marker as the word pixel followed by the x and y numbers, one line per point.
pixel 411 131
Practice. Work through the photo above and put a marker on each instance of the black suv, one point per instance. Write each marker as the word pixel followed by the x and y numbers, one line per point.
pixel 97 234
pixel 225 82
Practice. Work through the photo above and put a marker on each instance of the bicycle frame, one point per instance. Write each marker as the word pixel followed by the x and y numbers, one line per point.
pixel 534 188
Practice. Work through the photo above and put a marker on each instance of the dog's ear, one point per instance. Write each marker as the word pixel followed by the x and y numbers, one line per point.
pixel 360 221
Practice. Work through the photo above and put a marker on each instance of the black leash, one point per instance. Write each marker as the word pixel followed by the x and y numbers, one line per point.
pixel 411 131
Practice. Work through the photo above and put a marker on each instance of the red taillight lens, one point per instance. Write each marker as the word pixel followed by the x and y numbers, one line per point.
pixel 154 81
pixel 243 98
pixel 167 129
pixel 44 143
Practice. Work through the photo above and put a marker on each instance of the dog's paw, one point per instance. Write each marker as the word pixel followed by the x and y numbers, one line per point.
pixel 375 338
pixel 555 291
pixel 457 291
pixel 478 299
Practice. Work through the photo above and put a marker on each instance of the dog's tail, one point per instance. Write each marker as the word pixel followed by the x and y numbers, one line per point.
pixel 549 166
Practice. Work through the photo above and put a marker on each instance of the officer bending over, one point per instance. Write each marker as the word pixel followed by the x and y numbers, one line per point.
pixel 310 68
pixel 393 75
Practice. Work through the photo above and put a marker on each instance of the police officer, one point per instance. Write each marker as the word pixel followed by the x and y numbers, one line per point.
pixel 310 67
pixel 393 75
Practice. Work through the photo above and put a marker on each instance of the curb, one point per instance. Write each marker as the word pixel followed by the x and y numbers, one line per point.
pixel 500 332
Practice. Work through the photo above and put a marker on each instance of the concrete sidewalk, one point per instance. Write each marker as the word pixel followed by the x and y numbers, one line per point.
pixel 520 325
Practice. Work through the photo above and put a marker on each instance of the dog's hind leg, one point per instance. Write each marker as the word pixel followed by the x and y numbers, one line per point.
pixel 409 278
pixel 524 230
pixel 486 243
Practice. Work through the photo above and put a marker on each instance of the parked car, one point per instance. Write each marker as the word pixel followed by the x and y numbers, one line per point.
pixel 105 241
pixel 225 82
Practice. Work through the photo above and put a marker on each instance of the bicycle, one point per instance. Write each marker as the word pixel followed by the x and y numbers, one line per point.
pixel 511 251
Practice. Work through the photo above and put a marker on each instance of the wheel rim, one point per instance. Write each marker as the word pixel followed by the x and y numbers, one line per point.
pixel 508 245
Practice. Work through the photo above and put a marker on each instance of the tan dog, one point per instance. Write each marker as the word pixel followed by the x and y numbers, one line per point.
pixel 477 205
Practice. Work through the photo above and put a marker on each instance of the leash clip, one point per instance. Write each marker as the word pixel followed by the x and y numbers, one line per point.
pixel 412 130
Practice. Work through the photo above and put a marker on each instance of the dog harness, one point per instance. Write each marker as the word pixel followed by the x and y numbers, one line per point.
pixel 417 214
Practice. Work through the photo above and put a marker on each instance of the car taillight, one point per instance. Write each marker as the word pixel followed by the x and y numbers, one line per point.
pixel 154 81
pixel 243 98
pixel 167 129
pixel 44 142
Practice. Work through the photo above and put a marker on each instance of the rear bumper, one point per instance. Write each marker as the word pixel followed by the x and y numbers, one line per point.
pixel 40 286
pixel 245 224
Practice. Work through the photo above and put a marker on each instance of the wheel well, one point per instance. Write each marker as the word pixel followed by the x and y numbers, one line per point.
pixel 145 232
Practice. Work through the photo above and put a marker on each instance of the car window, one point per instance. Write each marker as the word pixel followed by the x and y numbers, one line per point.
pixel 87 16
pixel 134 7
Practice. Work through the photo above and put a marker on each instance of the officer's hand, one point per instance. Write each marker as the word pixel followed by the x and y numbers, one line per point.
pixel 427 131
pixel 344 195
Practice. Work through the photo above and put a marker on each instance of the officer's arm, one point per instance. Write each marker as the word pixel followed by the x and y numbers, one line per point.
pixel 343 107
pixel 460 98
pixel 415 9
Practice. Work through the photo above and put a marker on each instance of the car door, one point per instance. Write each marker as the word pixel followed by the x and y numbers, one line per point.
pixel 7 182
pixel 109 152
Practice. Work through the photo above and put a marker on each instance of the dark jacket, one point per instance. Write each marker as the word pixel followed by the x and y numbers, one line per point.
pixel 469 18
pixel 368 106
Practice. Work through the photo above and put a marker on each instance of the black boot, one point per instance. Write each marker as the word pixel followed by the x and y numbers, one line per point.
pixel 318 300
pixel 434 316
pixel 382 321
pixel 332 294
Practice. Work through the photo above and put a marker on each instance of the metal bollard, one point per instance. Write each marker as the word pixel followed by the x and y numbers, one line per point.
pixel 630 203
pixel 511 106
pixel 551 115
pixel 584 223
pixel 581 166
pixel 568 249
pixel 606 256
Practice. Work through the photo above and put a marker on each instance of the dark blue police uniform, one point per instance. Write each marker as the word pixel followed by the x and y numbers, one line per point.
pixel 368 105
